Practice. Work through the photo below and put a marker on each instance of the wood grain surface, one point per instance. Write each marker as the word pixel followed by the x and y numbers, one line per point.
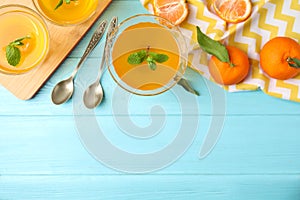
pixel 42 157
pixel 62 40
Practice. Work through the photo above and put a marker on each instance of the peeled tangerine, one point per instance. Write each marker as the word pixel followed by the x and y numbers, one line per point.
pixel 233 11
pixel 173 10
pixel 29 44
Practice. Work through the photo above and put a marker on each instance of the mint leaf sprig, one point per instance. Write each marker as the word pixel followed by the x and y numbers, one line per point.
pixel 151 57
pixel 13 53
pixel 60 3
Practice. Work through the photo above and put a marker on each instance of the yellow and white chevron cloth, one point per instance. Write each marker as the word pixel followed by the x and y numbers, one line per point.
pixel 269 18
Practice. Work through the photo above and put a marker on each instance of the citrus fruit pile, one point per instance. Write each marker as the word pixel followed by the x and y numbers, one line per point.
pixel 279 58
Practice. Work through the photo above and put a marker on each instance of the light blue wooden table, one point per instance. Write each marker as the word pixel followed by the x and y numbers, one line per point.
pixel 42 155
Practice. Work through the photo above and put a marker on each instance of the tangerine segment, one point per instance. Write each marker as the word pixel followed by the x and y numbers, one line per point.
pixel 174 11
pixel 274 58
pixel 160 3
pixel 28 44
pixel 230 73
pixel 233 11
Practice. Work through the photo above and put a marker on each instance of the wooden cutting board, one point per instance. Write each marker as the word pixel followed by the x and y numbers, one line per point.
pixel 61 43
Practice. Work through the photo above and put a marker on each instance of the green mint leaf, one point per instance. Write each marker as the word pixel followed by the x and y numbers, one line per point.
pixel 160 58
pixel 60 3
pixel 21 39
pixel 18 42
pixel 212 47
pixel 150 57
pixel 137 57
pixel 13 55
pixel 142 54
pixel 151 63
pixel 152 54
pixel 134 59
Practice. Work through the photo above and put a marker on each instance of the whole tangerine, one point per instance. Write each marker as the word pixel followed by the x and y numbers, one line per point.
pixel 279 58
pixel 233 72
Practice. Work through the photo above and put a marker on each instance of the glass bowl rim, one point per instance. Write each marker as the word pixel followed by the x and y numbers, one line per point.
pixel 38 9
pixel 46 32
pixel 109 65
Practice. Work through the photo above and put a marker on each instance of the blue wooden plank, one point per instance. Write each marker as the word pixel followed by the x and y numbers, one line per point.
pixel 134 187
pixel 248 145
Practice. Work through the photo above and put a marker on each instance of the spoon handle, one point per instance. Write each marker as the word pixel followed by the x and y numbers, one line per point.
pixel 92 44
pixel 113 25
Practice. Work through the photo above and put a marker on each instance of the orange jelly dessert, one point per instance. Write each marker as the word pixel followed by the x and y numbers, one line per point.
pixel 18 22
pixel 64 12
pixel 140 78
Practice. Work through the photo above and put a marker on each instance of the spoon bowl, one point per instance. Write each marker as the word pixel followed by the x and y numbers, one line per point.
pixel 62 91
pixel 93 95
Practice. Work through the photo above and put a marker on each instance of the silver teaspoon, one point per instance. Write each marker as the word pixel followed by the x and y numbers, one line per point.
pixel 93 95
pixel 63 90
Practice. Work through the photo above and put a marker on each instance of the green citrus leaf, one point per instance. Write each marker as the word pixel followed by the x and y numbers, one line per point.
pixel 212 47
pixel 186 85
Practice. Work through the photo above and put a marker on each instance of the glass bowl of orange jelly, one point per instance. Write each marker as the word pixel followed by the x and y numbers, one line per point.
pixel 16 22
pixel 61 12
pixel 152 34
